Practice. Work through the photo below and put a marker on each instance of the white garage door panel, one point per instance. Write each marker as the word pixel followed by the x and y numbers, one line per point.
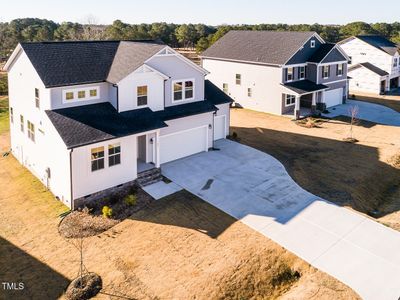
pixel 219 127
pixel 334 97
pixel 183 143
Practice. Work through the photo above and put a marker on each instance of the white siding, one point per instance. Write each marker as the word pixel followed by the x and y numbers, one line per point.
pixel 263 80
pixel 127 91
pixel 365 81
pixel 86 182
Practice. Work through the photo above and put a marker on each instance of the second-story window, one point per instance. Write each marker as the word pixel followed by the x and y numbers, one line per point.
pixel 21 119
pixel 289 74
pixel 225 88
pixel 395 62
pixel 37 98
pixel 81 94
pixel 31 131
pixel 11 115
pixel 312 43
pixel 325 71
pixel 238 79
pixel 69 96
pixel 302 72
pixel 142 95
pixel 249 92
pixel 93 93
pixel 97 158
pixel 183 90
pixel 339 70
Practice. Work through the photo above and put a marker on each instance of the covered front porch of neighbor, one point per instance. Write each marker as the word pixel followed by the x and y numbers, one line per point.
pixel 302 97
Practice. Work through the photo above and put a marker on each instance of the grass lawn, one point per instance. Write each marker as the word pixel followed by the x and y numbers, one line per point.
pixel 392 102
pixel 177 248
pixel 4 112
pixel 362 176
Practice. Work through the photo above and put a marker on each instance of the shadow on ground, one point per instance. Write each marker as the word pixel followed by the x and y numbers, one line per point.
pixel 344 173
pixel 39 280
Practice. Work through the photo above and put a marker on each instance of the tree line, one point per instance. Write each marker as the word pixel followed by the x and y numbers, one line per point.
pixel 199 36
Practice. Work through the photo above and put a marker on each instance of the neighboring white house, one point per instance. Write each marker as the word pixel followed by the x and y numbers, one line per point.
pixel 374 63
pixel 88 116
pixel 291 73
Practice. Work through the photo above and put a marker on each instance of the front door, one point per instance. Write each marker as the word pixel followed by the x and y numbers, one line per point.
pixel 141 148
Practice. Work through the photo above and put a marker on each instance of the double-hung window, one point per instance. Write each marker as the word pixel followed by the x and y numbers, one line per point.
pixel 339 70
pixel 289 74
pixel 97 158
pixel 325 71
pixel 37 98
pixel 302 72
pixel 290 100
pixel 238 79
pixel 142 95
pixel 31 131
pixel 395 62
pixel 249 92
pixel 114 154
pixel 11 115
pixel 225 88
pixel 21 119
pixel 183 90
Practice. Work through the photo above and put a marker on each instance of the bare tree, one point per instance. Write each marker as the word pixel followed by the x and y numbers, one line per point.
pixel 91 28
pixel 353 111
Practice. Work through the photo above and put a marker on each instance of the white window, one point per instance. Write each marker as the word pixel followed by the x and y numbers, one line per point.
pixel 141 95
pixel 289 74
pixel 312 43
pixel 31 131
pixel 114 154
pixel 11 115
pixel 302 72
pixel 21 119
pixel 339 70
pixel 325 71
pixel 249 92
pixel 183 90
pixel 97 158
pixel 37 98
pixel 238 79
pixel 290 100
pixel 225 88
pixel 81 94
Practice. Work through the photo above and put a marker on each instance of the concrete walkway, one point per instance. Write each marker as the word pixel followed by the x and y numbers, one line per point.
pixel 367 111
pixel 256 189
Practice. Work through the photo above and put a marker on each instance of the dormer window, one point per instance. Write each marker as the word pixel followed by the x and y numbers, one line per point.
pixel 289 74
pixel 142 95
pixel 183 90
pixel 69 96
pixel 81 94
pixel 312 43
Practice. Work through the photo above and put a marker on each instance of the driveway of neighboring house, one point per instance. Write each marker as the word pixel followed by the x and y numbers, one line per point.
pixel 255 188
pixel 367 111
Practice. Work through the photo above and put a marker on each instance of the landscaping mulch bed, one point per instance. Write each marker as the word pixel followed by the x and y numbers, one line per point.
pixel 309 122
pixel 84 288
pixel 91 221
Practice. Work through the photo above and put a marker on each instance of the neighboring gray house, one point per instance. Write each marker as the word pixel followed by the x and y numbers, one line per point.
pixel 278 72
pixel 374 66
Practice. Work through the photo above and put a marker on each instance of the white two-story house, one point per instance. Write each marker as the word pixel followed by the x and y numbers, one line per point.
pixel 374 64
pixel 283 73
pixel 88 116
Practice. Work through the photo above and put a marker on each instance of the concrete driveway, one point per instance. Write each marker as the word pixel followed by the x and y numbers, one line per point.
pixel 256 189
pixel 367 111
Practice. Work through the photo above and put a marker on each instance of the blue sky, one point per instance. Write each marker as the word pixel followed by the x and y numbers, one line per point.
pixel 213 12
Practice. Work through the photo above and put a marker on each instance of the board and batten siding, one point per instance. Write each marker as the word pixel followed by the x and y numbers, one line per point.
pixel 265 82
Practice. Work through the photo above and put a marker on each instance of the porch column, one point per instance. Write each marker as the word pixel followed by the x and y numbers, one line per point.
pixel 314 103
pixel 157 149
pixel 323 104
pixel 387 84
pixel 297 107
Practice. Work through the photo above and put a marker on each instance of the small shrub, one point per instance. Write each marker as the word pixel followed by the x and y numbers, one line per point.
pixel 107 211
pixel 130 200
pixel 234 135
pixel 285 275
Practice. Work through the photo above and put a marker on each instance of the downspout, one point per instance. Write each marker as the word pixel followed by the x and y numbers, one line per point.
pixel 70 178
pixel 213 131
pixel 116 86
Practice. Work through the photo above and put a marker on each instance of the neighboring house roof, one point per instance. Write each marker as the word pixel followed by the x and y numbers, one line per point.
pixel 304 86
pixel 88 124
pixel 322 51
pixel 82 62
pixel 215 94
pixel 377 41
pixel 266 47
pixel 370 67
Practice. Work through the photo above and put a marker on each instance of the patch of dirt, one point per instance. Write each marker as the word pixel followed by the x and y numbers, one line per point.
pixel 85 287
pixel 310 122
pixel 354 175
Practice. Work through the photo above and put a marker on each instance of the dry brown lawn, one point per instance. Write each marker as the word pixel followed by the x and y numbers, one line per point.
pixel 362 176
pixel 178 248
pixel 392 102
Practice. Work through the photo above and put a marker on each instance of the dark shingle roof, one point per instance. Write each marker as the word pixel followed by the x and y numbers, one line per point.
pixel 89 124
pixel 186 110
pixel 321 52
pixel 268 47
pixel 380 42
pixel 304 86
pixel 215 94
pixel 370 67
pixel 82 62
